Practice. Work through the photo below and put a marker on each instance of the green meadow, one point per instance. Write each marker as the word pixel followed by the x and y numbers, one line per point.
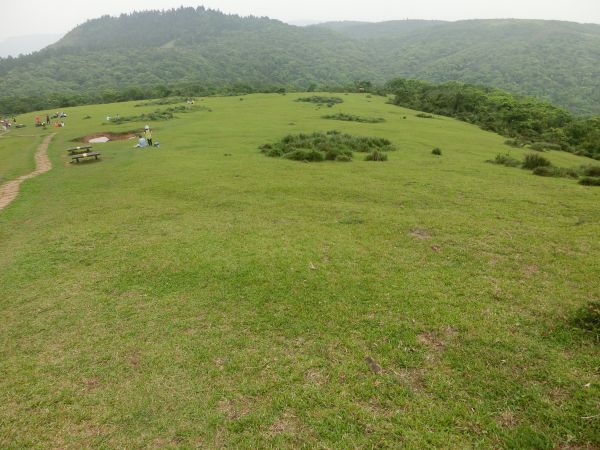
pixel 205 295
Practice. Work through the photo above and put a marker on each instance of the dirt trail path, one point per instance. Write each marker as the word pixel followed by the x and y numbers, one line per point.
pixel 10 189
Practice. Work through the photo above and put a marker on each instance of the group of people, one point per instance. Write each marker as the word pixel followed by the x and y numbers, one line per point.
pixel 145 140
pixel 6 123
pixel 57 124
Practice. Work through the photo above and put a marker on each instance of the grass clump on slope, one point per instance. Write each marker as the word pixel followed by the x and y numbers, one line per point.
pixel 352 118
pixel 330 146
pixel 321 100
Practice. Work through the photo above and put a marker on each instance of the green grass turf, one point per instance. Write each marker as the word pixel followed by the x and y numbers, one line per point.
pixel 17 149
pixel 179 297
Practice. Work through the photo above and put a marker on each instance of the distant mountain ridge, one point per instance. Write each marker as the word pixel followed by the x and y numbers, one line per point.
pixel 556 61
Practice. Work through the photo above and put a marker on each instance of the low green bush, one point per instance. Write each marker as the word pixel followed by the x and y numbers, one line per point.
pixel 352 118
pixel 156 116
pixel 165 101
pixel 321 100
pixel 436 151
pixel 589 181
pixel 376 155
pixel 588 318
pixel 541 146
pixel 591 171
pixel 514 143
pixel 343 158
pixel 424 116
pixel 331 146
pixel 305 155
pixel 533 161
pixel 558 172
pixel 506 160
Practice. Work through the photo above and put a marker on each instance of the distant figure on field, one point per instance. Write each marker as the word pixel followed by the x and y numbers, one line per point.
pixel 148 135
pixel 47 118
pixel 142 143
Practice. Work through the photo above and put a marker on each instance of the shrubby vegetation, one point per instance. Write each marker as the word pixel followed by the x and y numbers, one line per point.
pixel 589 181
pixel 588 318
pixel 353 118
pixel 165 101
pixel 540 166
pixel 557 172
pixel 329 146
pixel 533 161
pixel 524 119
pixel 506 160
pixel 158 115
pixel 436 151
pixel 320 100
pixel 376 155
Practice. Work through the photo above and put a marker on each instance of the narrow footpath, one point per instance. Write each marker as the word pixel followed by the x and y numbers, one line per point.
pixel 10 189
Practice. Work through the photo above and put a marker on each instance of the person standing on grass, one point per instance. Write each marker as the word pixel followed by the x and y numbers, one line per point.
pixel 148 135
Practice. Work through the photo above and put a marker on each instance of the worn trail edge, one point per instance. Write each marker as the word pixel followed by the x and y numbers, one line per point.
pixel 10 189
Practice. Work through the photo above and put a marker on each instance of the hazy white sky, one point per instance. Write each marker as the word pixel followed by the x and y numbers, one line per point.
pixel 43 16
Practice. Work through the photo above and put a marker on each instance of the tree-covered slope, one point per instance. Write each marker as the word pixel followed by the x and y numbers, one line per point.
pixel 185 45
pixel 556 61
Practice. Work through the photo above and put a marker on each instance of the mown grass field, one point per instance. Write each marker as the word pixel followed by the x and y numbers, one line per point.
pixel 205 295
pixel 16 154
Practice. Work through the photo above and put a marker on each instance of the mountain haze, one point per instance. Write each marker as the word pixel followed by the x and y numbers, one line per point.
pixel 23 45
pixel 556 61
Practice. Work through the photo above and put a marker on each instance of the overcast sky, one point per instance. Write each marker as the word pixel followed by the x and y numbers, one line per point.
pixel 18 18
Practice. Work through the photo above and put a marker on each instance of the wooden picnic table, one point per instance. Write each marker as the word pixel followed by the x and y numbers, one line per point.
pixel 77 156
pixel 79 150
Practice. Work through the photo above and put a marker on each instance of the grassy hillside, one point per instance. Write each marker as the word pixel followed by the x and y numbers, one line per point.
pixel 553 60
pixel 203 294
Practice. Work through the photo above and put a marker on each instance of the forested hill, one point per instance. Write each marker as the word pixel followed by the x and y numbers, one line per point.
pixel 556 61
pixel 184 46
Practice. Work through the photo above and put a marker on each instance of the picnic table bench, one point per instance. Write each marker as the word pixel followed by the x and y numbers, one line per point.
pixel 79 150
pixel 77 156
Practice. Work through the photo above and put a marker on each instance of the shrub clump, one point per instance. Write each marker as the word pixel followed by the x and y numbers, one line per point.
pixel 330 146
pixel 589 181
pixel 514 143
pixel 436 151
pixel 557 172
pixel 588 318
pixel 506 160
pixel 533 161
pixel 542 146
pixel 158 115
pixel 591 171
pixel 321 100
pixel 424 116
pixel 165 101
pixel 376 155
pixel 352 118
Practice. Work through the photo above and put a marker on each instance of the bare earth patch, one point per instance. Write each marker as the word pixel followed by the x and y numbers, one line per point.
pixel 10 189
pixel 286 424
pixel 234 409
pixel 111 136
pixel 420 234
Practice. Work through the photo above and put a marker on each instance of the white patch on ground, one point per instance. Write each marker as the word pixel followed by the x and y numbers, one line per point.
pixel 99 140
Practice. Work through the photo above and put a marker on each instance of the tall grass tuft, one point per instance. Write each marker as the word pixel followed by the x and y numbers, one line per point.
pixel 533 161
